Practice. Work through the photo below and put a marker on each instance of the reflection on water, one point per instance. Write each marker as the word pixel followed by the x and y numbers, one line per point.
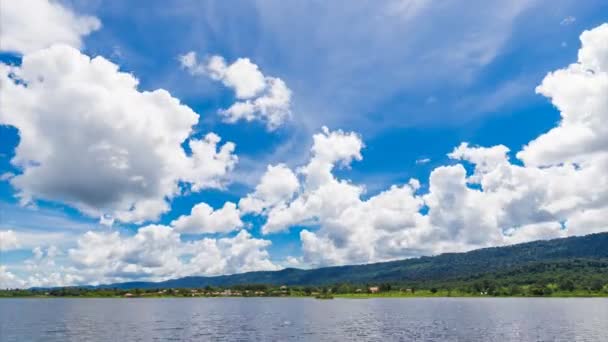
pixel 305 319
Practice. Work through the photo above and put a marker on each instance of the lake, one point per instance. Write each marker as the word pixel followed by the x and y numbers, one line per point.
pixel 304 319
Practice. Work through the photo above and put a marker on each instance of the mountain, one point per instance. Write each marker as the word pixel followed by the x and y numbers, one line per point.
pixel 573 256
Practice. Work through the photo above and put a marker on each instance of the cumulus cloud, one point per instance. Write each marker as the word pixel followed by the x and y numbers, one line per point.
pixel 321 193
pixel 579 93
pixel 559 187
pixel 89 138
pixel 328 150
pixel 203 219
pixel 156 252
pixel 153 253
pixel 30 25
pixel 276 187
pixel 40 253
pixel 8 240
pixel 260 97
pixel 43 270
pixel 9 280
pixel 242 76
pixel 351 229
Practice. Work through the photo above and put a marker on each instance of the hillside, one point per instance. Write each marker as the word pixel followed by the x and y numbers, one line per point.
pixel 570 256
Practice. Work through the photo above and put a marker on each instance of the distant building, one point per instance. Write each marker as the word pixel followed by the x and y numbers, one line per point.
pixel 128 294
pixel 374 289
pixel 358 290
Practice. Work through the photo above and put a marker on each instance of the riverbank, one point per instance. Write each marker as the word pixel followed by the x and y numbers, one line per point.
pixel 420 294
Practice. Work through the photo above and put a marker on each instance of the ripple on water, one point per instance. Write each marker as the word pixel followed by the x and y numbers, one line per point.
pixel 288 319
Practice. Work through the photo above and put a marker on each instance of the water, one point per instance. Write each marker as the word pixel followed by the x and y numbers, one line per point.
pixel 304 319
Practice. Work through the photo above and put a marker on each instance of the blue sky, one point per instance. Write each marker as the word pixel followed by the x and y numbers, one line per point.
pixel 411 80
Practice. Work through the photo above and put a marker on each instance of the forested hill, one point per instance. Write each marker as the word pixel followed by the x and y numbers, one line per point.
pixel 564 255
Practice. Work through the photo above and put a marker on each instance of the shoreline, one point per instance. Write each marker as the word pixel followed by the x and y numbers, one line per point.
pixel 337 296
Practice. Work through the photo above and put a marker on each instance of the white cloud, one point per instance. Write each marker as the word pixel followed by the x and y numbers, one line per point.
pixel 579 93
pixel 386 226
pixel 44 270
pixel 242 76
pixel 567 20
pixel 89 138
pixel 8 240
pixel 41 270
pixel 189 61
pixel 30 239
pixel 153 253
pixel 535 231
pixel 41 253
pixel 276 187
pixel 8 280
pixel 422 161
pixel 560 189
pixel 260 97
pixel 588 221
pixel 106 220
pixel 38 253
pixel 209 163
pixel 322 193
pixel 203 219
pixel 330 149
pixel 156 253
pixel 30 25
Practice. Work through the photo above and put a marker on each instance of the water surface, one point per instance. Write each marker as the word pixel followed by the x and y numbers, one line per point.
pixel 304 319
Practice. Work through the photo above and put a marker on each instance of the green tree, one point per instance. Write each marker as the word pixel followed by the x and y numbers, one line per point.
pixel 385 287
pixel 514 290
pixel 596 285
pixel 566 285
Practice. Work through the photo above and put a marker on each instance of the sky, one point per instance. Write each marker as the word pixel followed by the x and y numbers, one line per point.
pixel 154 140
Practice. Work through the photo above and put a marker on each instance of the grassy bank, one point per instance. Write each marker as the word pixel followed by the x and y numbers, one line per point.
pixel 446 294
pixel 386 294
